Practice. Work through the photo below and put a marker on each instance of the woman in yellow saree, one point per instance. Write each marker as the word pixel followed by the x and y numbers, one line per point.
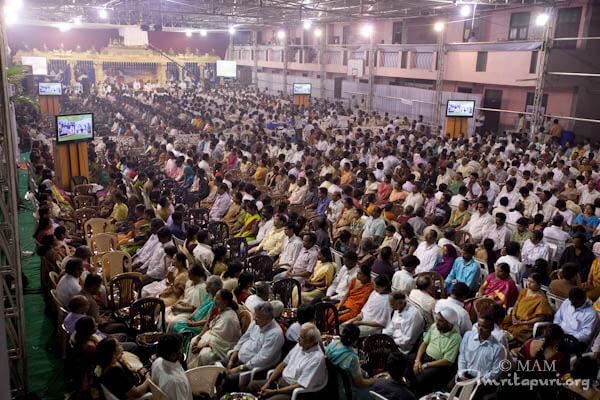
pixel 322 276
pixel 260 173
pixel 250 227
pixel 141 220
pixel 592 285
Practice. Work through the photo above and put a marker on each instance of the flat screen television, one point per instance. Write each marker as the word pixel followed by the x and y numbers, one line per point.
pixel 460 108
pixel 74 127
pixel 226 69
pixel 50 89
pixel 302 88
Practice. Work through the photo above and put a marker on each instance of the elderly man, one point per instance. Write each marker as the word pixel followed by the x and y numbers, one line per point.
pixel 481 222
pixel 480 354
pixel 303 367
pixel 375 226
pixel 291 247
pixel 68 286
pixel 578 319
pixel 433 364
pixel 221 204
pixel 428 253
pixel 305 262
pixel 423 294
pixel 406 324
pixel 259 347
pixel 460 292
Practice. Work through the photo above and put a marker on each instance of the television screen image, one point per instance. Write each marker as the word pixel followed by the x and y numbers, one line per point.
pixel 74 127
pixel 226 69
pixel 460 108
pixel 50 89
pixel 302 88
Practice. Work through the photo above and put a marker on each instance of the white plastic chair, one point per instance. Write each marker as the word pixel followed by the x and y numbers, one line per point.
pixel 467 389
pixel 539 325
pixel 299 391
pixel 555 301
pixel 338 258
pixel 157 393
pixel 203 379
pixel 376 396
pixel 109 396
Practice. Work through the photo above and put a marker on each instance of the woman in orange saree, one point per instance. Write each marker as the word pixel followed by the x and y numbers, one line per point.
pixel 359 290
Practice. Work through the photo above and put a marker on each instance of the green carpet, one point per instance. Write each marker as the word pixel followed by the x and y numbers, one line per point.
pixel 45 368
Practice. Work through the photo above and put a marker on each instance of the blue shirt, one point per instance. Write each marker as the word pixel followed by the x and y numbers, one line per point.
pixel 467 273
pixel 579 322
pixel 482 357
pixel 322 207
pixel 591 222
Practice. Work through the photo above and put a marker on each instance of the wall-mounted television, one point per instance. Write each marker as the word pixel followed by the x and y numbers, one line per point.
pixel 302 88
pixel 74 127
pixel 460 108
pixel 226 69
pixel 50 89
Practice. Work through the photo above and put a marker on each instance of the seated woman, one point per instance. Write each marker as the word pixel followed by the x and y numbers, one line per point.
pixel 155 288
pixel 409 242
pixel 359 290
pixel 142 223
pixel 81 361
pixel 190 243
pixel 546 349
pixel 587 220
pixel 219 265
pixel 343 354
pixel 349 214
pixel 315 287
pixel 384 190
pixel 344 242
pixel 250 227
pixel 231 276
pixel 245 283
pixel 176 281
pixel 219 336
pixel 500 287
pixel 204 312
pixel 449 255
pixel 531 306
pixel 116 376
pixel 235 208
pixel 193 294
pixel 459 216
pixel 260 173
pixel 485 252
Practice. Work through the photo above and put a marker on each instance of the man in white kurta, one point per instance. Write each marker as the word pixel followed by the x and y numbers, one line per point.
pixel 406 324
pixel 376 313
pixel 223 333
pixel 167 372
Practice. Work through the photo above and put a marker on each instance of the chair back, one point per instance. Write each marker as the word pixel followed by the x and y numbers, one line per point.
pixel 245 317
pixel 58 304
pixel 462 238
pixel 467 389
pixel 124 289
pixel 113 263
pixel 53 279
pixel 107 394
pixel 283 290
pixel 338 257
pixel 147 315
pixel 262 267
pixel 94 226
pixel 326 318
pixel 82 215
pixel 78 180
pixel 198 217
pixel 553 247
pixel 484 272
pixel 85 190
pixel 101 243
pixel 237 248
pixel 555 301
pixel 437 280
pixel 157 393
pixel 219 231
pixel 203 379
pixel 376 396
pixel 373 352
pixel 84 201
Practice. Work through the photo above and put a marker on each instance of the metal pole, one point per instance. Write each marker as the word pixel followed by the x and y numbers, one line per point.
pixel 255 59
pixel 538 115
pixel 372 50
pixel 439 83
pixel 323 43
pixel 285 62
pixel 229 54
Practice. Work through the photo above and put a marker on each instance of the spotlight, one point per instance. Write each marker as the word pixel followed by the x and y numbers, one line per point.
pixel 307 25
pixel 14 4
pixel 77 20
pixel 367 30
pixel 280 35
pixel 188 33
pixel 203 32
pixel 10 16
pixel 542 19
pixel 465 11
pixel 318 32
pixel 232 30
pixel 64 27
pixel 438 26
pixel 103 13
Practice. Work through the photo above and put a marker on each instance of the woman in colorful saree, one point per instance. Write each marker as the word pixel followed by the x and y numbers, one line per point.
pixel 359 290
pixel 500 287
pixel 251 220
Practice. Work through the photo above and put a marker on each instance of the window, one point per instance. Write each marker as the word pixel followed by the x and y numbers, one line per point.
pixel 530 97
pixel 346 34
pixel 481 61
pixel 519 25
pixel 465 90
pixel 404 59
pixel 397 32
pixel 533 62
pixel 567 25
pixel 259 37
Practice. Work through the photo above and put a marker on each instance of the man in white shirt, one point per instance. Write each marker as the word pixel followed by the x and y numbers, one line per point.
pixel 266 215
pixel 68 286
pixel 512 259
pixel 403 280
pixel 460 292
pixel 303 367
pixel 376 313
pixel 203 252
pixel 535 248
pixel 339 286
pixel 589 194
pixel 428 252
pixel 423 295
pixel 500 234
pixel 406 324
pixel 480 223
pixel 292 245
pixel 335 206
pixel 263 292
pixel 557 234
pixel 457 198
pixel 167 372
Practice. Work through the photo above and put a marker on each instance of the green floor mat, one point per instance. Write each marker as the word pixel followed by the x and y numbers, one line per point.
pixel 45 368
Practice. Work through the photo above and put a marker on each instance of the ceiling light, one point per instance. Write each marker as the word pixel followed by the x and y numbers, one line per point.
pixel 188 33
pixel 280 35
pixel 367 30
pixel 542 19
pixel 307 25
pixel 203 32
pixel 103 13
pixel 465 11
pixel 10 16
pixel 318 32
pixel 14 4
pixel 232 30
pixel 438 26
pixel 77 20
pixel 64 27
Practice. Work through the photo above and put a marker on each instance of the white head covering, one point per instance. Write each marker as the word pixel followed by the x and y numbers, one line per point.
pixel 449 315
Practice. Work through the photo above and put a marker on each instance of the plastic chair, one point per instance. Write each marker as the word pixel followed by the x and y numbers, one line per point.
pixel 219 231
pixel 236 247
pixel 102 243
pixel 375 350
pixel 284 289
pixel 555 301
pixel 127 286
pixel 85 190
pixel 198 216
pixel 299 391
pixel 467 389
pixel 78 180
pixel 376 396
pixel 53 279
pixel 113 264
pixel 323 311
pixel 82 215
pixel 338 257
pixel 462 238
pixel 262 267
pixel 94 226
pixel 143 315
pixel 203 379
pixel 84 201
pixel 157 393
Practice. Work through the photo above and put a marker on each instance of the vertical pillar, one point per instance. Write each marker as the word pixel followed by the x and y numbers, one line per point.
pixel 285 62
pixel 255 59
pixel 229 54
pixel 161 71
pixel 71 65
pixel 179 73
pixel 441 55
pixel 372 49
pixel 98 73
pixel 538 97
pixel 322 61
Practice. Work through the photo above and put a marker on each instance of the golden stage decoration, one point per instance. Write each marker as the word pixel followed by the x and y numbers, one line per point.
pixel 116 52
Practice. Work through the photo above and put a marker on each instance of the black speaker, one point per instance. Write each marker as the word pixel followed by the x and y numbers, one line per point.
pixel 158 28
pixel 145 28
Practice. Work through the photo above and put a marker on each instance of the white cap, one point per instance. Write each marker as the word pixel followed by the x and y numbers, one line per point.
pixel 449 315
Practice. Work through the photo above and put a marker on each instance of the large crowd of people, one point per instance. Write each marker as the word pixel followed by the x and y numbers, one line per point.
pixel 468 256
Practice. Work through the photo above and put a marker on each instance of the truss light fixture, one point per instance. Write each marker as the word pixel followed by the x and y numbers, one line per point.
pixel 465 11
pixel 318 32
pixel 10 16
pixel 14 4
pixel 64 27
pixel 438 26
pixel 542 19
pixel 188 33
pixel 232 30
pixel 103 13
pixel 203 32
pixel 307 24
pixel 77 20
pixel 367 30
pixel 280 35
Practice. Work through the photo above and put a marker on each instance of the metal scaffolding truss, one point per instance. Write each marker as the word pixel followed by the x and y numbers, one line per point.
pixel 11 287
